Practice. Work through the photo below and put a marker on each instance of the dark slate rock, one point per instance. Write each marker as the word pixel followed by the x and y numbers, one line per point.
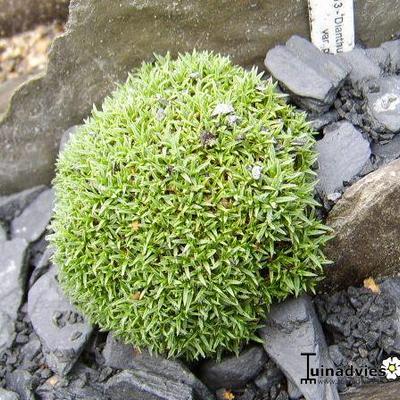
pixel 7 395
pixel 62 340
pixel 33 221
pixel 21 383
pixel 42 267
pixel 342 154
pixel 292 328
pixel 233 372
pixel 336 355
pixel 250 393
pixel 66 137
pixel 7 331
pixel 383 104
pixel 13 270
pixel 11 206
pixel 311 77
pixel 31 349
pixel 360 324
pixel 293 391
pixel 391 288
pixel 124 356
pixel 78 386
pixel 393 47
pixel 362 67
pixel 387 152
pixel 321 121
pixel 271 376
pixel 139 384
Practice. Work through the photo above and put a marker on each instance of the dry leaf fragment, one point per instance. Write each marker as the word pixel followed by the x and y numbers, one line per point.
pixel 136 296
pixel 372 285
pixel 135 225
pixel 228 395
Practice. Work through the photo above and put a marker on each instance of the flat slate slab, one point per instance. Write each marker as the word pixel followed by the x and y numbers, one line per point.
pixel 137 384
pixel 121 356
pixel 61 329
pixel 311 77
pixel 292 328
pixel 33 221
pixel 363 67
pixel 12 205
pixel 13 271
pixel 342 154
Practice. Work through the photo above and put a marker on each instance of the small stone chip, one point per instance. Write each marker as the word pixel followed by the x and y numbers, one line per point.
pixel 222 109
pixel 256 172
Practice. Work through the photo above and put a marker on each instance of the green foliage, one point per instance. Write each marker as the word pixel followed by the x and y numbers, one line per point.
pixel 185 206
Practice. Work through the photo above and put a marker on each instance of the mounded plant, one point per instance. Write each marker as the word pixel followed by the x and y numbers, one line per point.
pixel 185 207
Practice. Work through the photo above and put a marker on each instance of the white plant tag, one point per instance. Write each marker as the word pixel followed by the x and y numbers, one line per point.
pixel 332 25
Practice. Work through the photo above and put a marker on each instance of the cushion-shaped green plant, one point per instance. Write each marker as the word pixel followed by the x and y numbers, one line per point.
pixel 185 206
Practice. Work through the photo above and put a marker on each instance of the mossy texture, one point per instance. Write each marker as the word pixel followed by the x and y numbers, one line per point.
pixel 185 207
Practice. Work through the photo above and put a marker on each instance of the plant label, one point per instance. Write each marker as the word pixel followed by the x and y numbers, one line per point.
pixel 332 25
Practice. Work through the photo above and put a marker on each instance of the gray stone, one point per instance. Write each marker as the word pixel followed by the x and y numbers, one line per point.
pixel 80 386
pixel 124 356
pixel 11 206
pixel 66 137
pixel 293 391
pixel 383 106
pixel 362 67
pixel 31 349
pixel 317 123
pixel 311 77
pixel 292 328
pixel 336 355
pixel 13 271
pixel 20 382
pixel 393 47
pixel 342 153
pixel 106 39
pixel 43 266
pixel 271 376
pixel 138 384
pixel 235 371
pixel 3 233
pixel 33 221
pixel 366 223
pixel 7 331
pixel 380 56
pixel 391 288
pixel 62 342
pixel 387 152
pixel 7 395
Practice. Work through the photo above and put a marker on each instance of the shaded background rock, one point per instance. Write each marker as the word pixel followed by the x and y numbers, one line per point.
pixel 19 15
pixel 366 225
pixel 86 62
